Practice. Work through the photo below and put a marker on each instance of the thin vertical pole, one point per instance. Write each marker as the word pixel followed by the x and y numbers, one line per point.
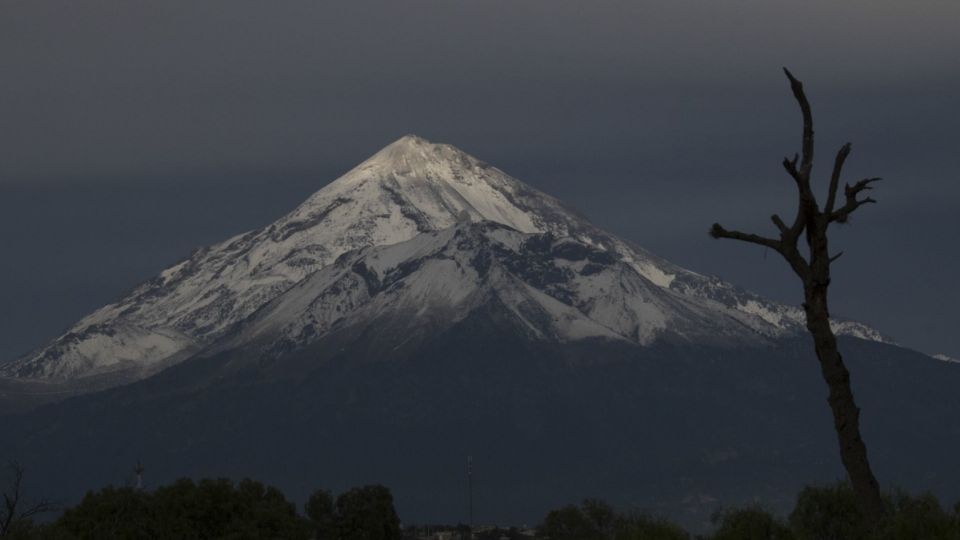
pixel 470 491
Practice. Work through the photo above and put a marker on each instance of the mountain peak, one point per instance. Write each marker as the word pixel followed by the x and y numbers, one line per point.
pixel 412 155
pixel 410 139
pixel 407 145
pixel 411 188
pixel 413 185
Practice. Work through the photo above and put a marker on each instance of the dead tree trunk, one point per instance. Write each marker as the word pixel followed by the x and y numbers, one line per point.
pixel 814 272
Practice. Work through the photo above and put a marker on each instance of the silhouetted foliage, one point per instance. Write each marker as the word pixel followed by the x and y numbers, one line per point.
pixel 828 513
pixel 751 523
pixel 919 517
pixel 645 527
pixel 367 513
pixel 821 513
pixel 111 513
pixel 221 509
pixel 831 513
pixel 596 520
pixel 208 509
pixel 321 512
pixel 568 523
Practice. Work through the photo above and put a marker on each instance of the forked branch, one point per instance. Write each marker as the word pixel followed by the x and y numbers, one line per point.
pixel 791 167
pixel 851 193
pixel 808 213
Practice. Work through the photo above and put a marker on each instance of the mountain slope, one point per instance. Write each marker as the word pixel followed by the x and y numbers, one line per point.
pixel 556 289
pixel 409 188
pixel 676 429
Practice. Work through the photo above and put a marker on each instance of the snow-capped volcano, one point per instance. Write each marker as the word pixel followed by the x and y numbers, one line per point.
pixel 556 288
pixel 397 224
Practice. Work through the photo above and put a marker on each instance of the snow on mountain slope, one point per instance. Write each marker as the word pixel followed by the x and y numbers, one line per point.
pixel 409 188
pixel 556 288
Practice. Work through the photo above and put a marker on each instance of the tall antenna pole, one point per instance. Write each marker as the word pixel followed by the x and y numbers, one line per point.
pixel 470 491
pixel 138 471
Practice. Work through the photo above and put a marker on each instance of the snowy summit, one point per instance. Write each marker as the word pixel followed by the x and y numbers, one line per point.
pixel 423 232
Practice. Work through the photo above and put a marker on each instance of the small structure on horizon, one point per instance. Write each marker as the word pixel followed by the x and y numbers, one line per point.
pixel 138 476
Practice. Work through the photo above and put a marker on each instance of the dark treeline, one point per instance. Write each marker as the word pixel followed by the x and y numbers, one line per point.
pixel 223 509
pixel 821 513
pixel 218 509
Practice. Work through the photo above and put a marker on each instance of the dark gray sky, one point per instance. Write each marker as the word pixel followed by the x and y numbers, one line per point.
pixel 135 131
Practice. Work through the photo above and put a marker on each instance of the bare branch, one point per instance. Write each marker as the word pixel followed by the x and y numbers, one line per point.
pixel 784 230
pixel 717 231
pixel 807 150
pixel 842 214
pixel 13 502
pixel 835 177
pixel 41 507
pixel 864 184
pixel 11 499
pixel 835 257
pixel 791 167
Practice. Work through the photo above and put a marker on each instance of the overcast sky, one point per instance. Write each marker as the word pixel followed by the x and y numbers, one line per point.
pixel 133 131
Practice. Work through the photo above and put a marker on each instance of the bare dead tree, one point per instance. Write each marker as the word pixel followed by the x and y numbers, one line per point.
pixel 812 222
pixel 15 510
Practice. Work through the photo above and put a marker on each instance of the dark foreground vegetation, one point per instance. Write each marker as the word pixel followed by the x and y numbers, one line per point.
pixel 821 513
pixel 222 509
pixel 218 509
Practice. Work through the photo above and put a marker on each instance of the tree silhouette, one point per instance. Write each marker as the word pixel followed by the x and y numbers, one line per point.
pixel 321 512
pixel 367 513
pixel 814 271
pixel 16 510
